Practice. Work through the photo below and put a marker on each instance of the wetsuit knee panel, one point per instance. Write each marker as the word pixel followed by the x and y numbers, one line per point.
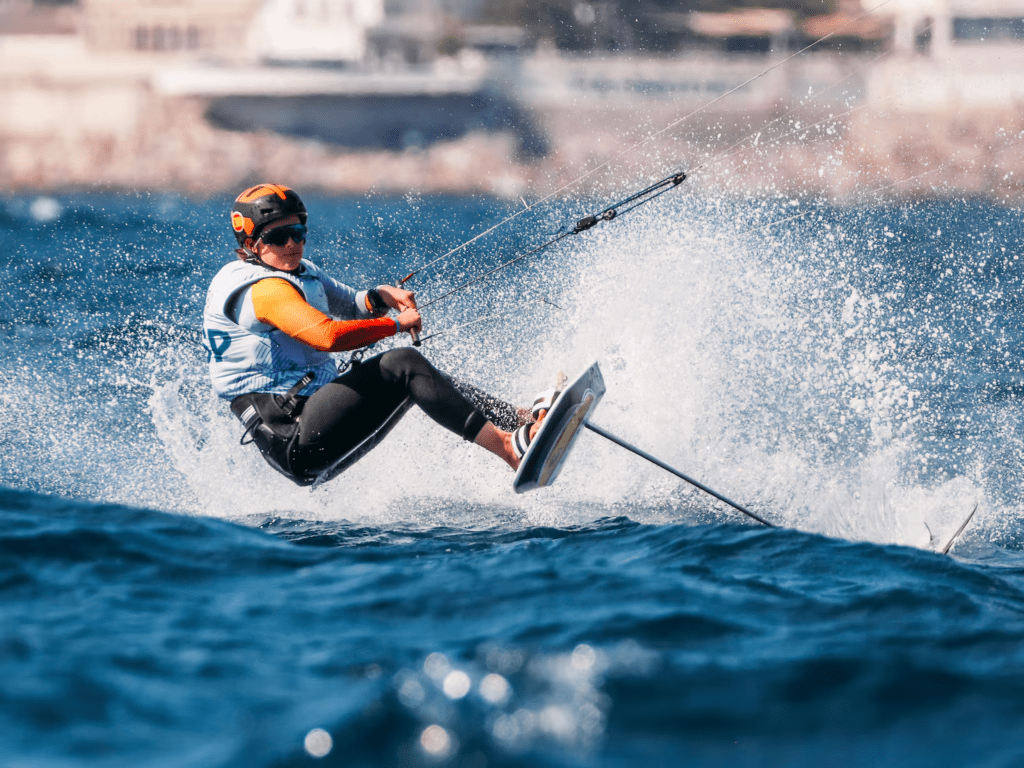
pixel 431 390
pixel 403 362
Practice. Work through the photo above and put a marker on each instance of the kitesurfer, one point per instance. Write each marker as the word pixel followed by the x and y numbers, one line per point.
pixel 271 320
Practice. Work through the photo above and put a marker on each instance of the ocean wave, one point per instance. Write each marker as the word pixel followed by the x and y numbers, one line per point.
pixel 131 634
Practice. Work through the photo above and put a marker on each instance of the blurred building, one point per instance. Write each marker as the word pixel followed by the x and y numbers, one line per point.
pixel 168 27
pixel 313 31
pixel 276 31
pixel 409 33
pixel 412 33
pixel 23 17
pixel 754 30
pixel 937 26
pixel 848 29
pixel 952 55
pixel 104 89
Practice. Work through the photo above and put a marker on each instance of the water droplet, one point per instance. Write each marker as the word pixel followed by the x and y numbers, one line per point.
pixel 45 209
pixel 583 657
pixel 436 741
pixel 495 689
pixel 319 742
pixel 436 665
pixel 456 684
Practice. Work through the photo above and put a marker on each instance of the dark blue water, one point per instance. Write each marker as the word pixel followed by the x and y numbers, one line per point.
pixel 853 375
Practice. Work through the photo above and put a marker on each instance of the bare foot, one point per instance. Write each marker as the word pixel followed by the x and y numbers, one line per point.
pixel 499 442
pixel 504 439
pixel 507 452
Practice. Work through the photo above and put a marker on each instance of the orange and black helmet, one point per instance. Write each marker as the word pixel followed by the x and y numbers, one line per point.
pixel 260 205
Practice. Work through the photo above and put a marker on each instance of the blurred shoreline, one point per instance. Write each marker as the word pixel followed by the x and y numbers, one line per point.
pixel 842 128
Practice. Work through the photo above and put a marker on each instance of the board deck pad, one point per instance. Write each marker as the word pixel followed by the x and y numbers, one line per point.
pixel 558 432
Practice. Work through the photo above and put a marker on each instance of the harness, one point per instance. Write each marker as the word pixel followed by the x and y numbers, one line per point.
pixel 271 422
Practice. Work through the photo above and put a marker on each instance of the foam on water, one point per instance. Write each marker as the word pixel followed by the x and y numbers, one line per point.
pixel 752 360
pixel 807 370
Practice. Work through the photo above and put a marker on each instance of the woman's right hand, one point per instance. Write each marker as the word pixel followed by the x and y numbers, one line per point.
pixel 409 319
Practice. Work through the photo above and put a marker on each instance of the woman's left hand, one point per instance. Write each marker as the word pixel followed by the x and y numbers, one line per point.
pixel 397 298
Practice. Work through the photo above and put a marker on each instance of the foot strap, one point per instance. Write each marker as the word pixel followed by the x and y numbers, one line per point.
pixel 544 401
pixel 521 440
pixel 521 437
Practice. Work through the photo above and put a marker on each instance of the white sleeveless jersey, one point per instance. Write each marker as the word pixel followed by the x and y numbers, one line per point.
pixel 246 355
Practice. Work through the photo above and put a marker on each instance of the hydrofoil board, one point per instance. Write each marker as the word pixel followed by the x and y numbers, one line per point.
pixel 557 434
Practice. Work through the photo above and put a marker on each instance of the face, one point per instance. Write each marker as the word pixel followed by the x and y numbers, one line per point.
pixel 287 256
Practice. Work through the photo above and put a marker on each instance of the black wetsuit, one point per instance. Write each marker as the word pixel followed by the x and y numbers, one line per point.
pixel 339 416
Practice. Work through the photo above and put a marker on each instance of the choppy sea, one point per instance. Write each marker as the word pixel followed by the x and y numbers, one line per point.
pixel 850 373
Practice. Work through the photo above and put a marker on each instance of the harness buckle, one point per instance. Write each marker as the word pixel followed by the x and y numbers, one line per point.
pixel 291 397
pixel 250 420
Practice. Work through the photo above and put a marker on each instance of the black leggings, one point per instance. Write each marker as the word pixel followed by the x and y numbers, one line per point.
pixel 341 414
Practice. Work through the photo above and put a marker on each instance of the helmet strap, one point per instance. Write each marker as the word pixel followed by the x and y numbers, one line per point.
pixel 252 257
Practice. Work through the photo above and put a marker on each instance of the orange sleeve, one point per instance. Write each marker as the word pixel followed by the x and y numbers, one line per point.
pixel 280 304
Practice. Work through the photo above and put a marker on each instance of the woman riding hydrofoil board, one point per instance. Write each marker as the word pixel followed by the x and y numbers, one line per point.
pixel 271 320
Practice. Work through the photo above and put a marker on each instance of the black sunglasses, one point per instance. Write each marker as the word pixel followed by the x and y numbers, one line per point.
pixel 281 235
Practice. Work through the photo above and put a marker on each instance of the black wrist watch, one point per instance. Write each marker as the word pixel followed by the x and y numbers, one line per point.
pixel 376 300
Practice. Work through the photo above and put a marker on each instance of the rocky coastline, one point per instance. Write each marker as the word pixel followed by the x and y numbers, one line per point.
pixel 858 157
pixel 852 149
